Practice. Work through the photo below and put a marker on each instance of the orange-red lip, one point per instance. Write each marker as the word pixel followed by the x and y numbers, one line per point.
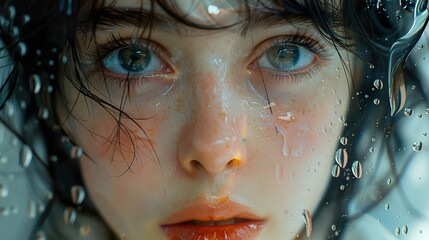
pixel 213 220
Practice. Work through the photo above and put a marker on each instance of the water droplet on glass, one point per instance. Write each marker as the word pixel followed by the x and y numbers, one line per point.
pixel 77 194
pixel 372 149
pixel 357 169
pixel 420 46
pixel 36 83
pixel 389 181
pixel 333 227
pixel 343 141
pixel 4 191
pixel 341 118
pixel 417 146
pixel 32 210
pixel 76 152
pixel 404 230
pixel 341 157
pixel 342 187
pixel 408 112
pixel 378 84
pixel 386 206
pixel 21 48
pixel 376 101
pixel 26 155
pixel 308 222
pixel 69 216
pixel 397 231
pixel 336 170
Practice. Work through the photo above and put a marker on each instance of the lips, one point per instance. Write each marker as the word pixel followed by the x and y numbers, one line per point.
pixel 210 220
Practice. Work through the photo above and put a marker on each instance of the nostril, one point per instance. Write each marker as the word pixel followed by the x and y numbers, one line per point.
pixel 196 165
pixel 234 163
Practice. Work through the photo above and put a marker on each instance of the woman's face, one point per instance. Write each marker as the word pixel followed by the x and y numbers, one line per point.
pixel 223 133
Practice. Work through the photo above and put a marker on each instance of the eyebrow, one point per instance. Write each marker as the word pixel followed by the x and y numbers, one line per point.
pixel 106 18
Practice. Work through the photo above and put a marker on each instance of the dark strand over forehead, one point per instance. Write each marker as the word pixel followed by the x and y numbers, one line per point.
pixel 108 17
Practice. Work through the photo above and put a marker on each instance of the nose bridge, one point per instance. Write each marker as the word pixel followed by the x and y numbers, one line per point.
pixel 213 136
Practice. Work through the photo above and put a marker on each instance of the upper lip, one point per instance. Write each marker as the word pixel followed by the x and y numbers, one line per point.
pixel 212 210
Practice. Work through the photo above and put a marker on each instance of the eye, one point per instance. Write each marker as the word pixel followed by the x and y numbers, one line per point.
pixel 286 57
pixel 133 60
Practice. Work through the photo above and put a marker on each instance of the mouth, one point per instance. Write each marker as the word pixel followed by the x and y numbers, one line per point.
pixel 207 220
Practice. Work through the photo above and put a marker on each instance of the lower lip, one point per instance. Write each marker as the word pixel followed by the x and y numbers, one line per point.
pixel 239 231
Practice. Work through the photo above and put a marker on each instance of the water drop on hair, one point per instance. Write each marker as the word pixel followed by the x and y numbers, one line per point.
pixel 357 169
pixel 417 146
pixel 26 155
pixel 77 194
pixel 341 157
pixel 308 222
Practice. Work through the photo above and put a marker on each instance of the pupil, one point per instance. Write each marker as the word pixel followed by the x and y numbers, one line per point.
pixel 134 60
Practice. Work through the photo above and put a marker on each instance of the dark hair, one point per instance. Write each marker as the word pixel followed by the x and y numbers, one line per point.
pixel 371 28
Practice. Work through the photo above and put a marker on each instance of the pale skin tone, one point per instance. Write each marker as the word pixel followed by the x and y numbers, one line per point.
pixel 212 130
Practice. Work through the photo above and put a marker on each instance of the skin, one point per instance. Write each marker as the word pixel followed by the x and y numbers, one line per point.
pixel 212 131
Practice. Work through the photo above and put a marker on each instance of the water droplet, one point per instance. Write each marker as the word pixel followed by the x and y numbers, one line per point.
pixel 77 194
pixel 357 169
pixel 308 222
pixel 371 66
pixel 21 49
pixel 44 113
pixel 408 112
pixel 333 227
pixel 343 141
pixel 386 206
pixel 32 210
pixel 11 12
pixel 76 152
pixel 372 149
pixel 376 101
pixel 69 216
pixel 85 230
pixel 336 170
pixel 4 191
pixel 404 230
pixel 4 211
pixel 398 15
pixel 9 108
pixel 417 146
pixel 341 157
pixel 389 181
pixel 26 155
pixel 427 111
pixel 419 115
pixel 397 231
pixel 342 187
pixel 341 118
pixel 420 46
pixel 378 84
pixel 35 83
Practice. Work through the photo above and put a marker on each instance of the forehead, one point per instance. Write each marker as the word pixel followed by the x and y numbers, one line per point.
pixel 204 12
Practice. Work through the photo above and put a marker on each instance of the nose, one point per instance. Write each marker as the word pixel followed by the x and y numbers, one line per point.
pixel 212 139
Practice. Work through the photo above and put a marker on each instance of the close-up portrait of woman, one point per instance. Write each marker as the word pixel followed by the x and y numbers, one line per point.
pixel 214 119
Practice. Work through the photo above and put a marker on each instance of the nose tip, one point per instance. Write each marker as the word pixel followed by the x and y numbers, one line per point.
pixel 219 156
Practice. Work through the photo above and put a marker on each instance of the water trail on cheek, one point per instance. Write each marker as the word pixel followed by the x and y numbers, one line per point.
pixel 294 135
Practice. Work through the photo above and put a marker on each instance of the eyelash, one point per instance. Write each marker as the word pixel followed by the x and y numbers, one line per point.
pixel 100 51
pixel 299 38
